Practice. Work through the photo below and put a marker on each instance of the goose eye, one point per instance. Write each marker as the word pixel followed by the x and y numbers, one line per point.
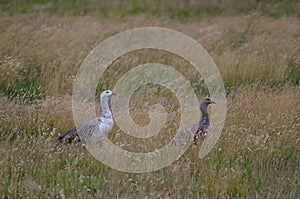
pixel 107 92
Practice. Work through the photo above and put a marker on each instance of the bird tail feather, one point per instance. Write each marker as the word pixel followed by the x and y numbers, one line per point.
pixel 69 135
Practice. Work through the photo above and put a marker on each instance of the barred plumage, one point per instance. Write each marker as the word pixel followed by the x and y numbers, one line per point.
pixel 96 127
pixel 195 132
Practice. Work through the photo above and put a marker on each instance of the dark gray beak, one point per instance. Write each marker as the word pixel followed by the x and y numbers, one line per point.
pixel 114 93
pixel 213 102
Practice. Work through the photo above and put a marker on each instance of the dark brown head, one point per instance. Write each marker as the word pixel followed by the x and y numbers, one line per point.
pixel 207 101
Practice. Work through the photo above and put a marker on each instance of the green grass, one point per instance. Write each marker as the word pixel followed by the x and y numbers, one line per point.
pixel 45 173
pixel 292 73
pixel 174 9
pixel 24 85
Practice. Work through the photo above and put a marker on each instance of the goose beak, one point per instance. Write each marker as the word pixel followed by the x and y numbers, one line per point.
pixel 113 93
pixel 213 102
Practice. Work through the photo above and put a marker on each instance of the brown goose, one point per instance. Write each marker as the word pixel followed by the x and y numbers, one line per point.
pixel 198 131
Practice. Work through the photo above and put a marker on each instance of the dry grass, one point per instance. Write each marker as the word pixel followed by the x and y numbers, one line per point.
pixel 256 157
pixel 247 49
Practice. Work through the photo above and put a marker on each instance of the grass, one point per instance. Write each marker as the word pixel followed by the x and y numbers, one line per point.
pixel 292 72
pixel 247 49
pixel 23 84
pixel 42 45
pixel 173 9
pixel 257 156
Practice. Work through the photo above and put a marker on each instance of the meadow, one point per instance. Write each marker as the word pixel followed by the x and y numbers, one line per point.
pixel 256 46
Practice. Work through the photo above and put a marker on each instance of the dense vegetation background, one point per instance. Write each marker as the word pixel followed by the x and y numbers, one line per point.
pixel 255 44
